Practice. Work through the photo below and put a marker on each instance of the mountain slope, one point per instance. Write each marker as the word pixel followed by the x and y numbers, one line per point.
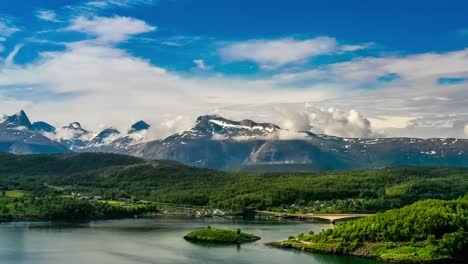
pixel 19 136
pixel 216 142
pixel 220 143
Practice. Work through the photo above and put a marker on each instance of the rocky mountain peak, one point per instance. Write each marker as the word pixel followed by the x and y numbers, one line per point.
pixel 214 124
pixel 18 119
pixel 139 126
pixel 74 130
pixel 106 136
pixel 41 126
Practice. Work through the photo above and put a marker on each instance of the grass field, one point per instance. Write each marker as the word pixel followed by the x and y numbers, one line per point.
pixel 15 193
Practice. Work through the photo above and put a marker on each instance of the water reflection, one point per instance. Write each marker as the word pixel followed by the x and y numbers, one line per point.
pixel 152 241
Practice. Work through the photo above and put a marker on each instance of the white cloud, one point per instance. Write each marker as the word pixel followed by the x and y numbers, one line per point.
pixel 7 28
pixel 329 121
pixel 110 80
pixel 200 65
pixel 47 15
pixel 118 3
pixel 170 43
pixel 276 53
pixel 350 48
pixel 465 130
pixel 115 87
pixel 110 29
pixel 427 66
pixel 110 85
pixel 10 58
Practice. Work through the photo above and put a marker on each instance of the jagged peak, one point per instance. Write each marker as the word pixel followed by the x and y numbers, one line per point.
pixel 42 126
pixel 76 126
pixel 19 119
pixel 209 121
pixel 107 132
pixel 139 126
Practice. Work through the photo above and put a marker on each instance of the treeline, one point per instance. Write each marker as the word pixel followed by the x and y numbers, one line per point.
pixel 67 209
pixel 169 182
pixel 424 231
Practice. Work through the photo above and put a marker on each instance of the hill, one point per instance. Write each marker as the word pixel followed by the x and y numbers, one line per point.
pixel 426 231
pixel 171 182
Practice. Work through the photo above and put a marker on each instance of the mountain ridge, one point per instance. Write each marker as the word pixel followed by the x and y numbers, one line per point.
pixel 219 143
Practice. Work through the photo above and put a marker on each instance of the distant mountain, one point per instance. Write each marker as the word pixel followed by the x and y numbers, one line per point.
pixel 220 143
pixel 139 126
pixel 105 137
pixel 216 142
pixel 19 119
pixel 108 140
pixel 74 136
pixel 19 136
pixel 112 140
pixel 43 127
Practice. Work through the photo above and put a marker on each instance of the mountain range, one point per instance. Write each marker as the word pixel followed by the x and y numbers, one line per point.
pixel 220 143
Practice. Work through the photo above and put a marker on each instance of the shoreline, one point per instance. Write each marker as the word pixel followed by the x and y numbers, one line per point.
pixel 363 251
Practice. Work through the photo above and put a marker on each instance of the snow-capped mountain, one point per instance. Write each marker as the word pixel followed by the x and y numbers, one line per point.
pixel 107 140
pixel 73 136
pixel 19 136
pixel 139 126
pixel 43 127
pixel 105 137
pixel 112 140
pixel 220 143
pixel 215 127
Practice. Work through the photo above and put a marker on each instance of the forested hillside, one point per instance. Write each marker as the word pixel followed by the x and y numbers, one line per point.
pixel 117 176
pixel 425 231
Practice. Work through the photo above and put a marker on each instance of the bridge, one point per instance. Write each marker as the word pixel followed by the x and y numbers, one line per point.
pixel 330 217
pixel 333 217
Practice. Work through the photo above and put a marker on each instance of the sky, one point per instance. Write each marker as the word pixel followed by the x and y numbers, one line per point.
pixel 345 68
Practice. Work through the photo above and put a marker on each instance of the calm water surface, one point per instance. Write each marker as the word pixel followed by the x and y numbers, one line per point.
pixel 152 241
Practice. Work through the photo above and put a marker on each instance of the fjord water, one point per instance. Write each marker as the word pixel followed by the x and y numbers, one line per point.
pixel 152 241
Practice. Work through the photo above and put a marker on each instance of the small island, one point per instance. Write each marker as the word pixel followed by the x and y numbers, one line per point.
pixel 215 235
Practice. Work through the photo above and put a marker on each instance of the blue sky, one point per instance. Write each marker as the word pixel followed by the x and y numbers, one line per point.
pixel 212 56
pixel 393 26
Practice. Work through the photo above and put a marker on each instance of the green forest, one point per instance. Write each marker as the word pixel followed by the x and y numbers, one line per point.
pixel 426 231
pixel 216 235
pixel 56 178
pixel 429 225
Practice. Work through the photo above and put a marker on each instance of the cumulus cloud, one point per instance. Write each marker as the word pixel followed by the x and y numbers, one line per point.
pixel 275 53
pixel 47 15
pixel 106 85
pixel 329 121
pixel 109 85
pixel 427 67
pixel 110 29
